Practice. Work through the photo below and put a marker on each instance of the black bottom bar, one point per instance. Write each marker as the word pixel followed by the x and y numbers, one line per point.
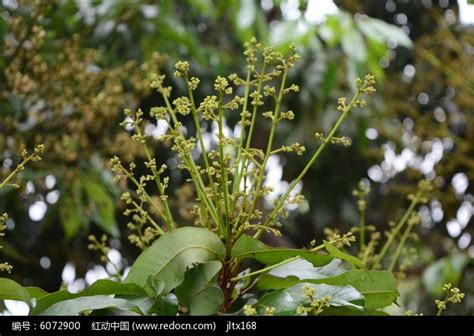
pixel 223 325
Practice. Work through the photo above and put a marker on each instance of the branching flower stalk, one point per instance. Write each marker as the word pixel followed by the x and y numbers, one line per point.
pixel 453 295
pixel 34 156
pixel 366 87
pixel 412 221
pixel 361 193
pixel 100 245
pixel 27 157
pixel 230 184
pixel 424 187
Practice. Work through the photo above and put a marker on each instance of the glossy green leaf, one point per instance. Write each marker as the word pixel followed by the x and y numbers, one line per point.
pixel 11 290
pixel 86 303
pixel 336 253
pixel 249 247
pixel 379 288
pixel 172 254
pixel 287 300
pixel 199 290
pixel 101 287
pixel 303 269
pixel 292 272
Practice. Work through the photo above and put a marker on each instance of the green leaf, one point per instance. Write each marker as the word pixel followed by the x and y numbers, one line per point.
pixel 303 269
pixel 354 45
pixel 449 269
pixel 100 287
pixel 165 306
pixel 36 292
pixel 288 274
pixel 285 32
pixel 156 285
pixel 336 253
pixel 103 209
pixel 86 303
pixel 71 216
pixel 199 290
pixel 381 31
pixel 379 288
pixel 208 301
pixel 11 290
pixel 287 300
pixel 246 14
pixel 172 254
pixel 329 80
pixel 249 247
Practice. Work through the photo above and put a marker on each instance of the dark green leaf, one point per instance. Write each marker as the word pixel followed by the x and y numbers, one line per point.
pixel 86 303
pixel 287 300
pixel 71 216
pixel 249 247
pixel 101 287
pixel 10 290
pixel 292 272
pixel 207 301
pixel 378 287
pixel 165 306
pixel 199 290
pixel 172 254
pixel 103 209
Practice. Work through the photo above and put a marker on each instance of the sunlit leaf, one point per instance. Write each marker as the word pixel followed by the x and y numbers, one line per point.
pixel 287 300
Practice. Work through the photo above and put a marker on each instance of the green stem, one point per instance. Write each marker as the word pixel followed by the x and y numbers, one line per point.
pixel 279 206
pixel 236 182
pixel 195 175
pixel 200 137
pixel 263 270
pixel 223 169
pixel 17 169
pixel 252 125
pixel 168 217
pixel 440 310
pixel 362 230
pixel 275 119
pixel 155 224
pixel 396 230
pixel 149 199
pixel 398 251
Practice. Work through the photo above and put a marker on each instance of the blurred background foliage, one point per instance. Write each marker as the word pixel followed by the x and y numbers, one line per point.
pixel 68 68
